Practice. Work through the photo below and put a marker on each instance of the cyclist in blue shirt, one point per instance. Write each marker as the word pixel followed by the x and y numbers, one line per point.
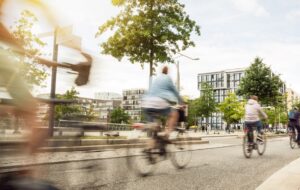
pixel 160 98
pixel 294 116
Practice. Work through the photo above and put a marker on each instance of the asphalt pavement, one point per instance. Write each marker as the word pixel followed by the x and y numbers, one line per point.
pixel 218 165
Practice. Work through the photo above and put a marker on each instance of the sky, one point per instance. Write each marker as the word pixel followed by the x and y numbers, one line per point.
pixel 233 33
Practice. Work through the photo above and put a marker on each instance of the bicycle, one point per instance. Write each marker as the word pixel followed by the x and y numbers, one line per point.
pixel 143 160
pixel 293 137
pixel 259 141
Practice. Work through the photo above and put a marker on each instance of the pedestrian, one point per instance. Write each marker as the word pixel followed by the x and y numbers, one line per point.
pixel 207 129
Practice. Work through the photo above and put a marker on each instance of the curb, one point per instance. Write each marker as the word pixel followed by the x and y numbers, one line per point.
pixel 233 135
pixel 269 136
pixel 79 142
pixel 18 166
pixel 94 147
pixel 285 178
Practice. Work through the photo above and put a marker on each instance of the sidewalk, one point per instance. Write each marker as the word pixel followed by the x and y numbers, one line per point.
pixel 130 134
pixel 287 178
pixel 214 134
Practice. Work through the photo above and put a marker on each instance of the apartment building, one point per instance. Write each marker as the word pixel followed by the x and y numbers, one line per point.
pixel 131 102
pixel 222 82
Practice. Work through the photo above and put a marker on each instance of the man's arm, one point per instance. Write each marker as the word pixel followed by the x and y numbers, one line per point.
pixel 173 88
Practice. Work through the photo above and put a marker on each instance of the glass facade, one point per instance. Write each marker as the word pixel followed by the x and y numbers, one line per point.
pixel 132 103
pixel 222 83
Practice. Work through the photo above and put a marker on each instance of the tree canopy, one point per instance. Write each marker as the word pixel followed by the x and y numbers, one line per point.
pixel 148 31
pixel 232 109
pixel 205 105
pixel 260 81
pixel 118 115
pixel 33 72
pixel 62 111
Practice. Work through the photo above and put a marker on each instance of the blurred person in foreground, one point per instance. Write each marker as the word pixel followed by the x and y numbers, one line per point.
pixel 160 99
pixel 23 103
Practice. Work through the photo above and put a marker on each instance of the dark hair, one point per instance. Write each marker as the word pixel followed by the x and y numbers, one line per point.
pixel 253 97
pixel 165 70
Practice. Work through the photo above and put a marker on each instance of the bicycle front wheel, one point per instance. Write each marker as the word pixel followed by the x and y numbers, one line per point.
pixel 181 153
pixel 261 144
pixel 140 160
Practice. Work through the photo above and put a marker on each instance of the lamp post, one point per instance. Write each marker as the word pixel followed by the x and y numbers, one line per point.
pixel 177 67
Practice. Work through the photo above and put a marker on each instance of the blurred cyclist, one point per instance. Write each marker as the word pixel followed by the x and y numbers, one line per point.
pixel 24 104
pixel 253 111
pixel 293 124
pixel 160 98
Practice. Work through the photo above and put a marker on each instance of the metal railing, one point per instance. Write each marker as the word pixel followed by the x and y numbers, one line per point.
pixel 95 125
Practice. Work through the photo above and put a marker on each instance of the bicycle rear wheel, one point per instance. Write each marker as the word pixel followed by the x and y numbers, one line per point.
pixel 247 148
pixel 261 145
pixel 140 160
pixel 181 153
pixel 292 141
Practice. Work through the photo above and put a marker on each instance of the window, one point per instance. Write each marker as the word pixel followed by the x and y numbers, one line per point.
pixel 228 80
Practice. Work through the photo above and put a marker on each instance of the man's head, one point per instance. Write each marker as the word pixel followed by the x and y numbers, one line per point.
pixel 165 70
pixel 253 97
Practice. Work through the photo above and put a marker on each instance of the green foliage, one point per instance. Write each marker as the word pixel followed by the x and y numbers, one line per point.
pixel 203 106
pixel 118 115
pixel 148 31
pixel 192 113
pixel 297 104
pixel 276 115
pixel 260 81
pixel 118 2
pixel 206 104
pixel 67 111
pixel 232 109
pixel 33 73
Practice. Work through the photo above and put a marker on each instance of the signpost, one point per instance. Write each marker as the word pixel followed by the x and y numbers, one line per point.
pixel 61 36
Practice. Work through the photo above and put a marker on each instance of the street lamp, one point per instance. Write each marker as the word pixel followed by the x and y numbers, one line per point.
pixel 177 66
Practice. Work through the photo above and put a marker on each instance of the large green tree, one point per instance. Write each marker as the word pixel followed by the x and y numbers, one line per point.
pixel 259 80
pixel 148 31
pixel 73 111
pixel 33 72
pixel 192 117
pixel 232 109
pixel 205 105
pixel 68 110
pixel 118 115
pixel 276 116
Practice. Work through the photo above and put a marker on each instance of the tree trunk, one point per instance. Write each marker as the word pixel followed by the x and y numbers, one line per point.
pixel 207 124
pixel 151 73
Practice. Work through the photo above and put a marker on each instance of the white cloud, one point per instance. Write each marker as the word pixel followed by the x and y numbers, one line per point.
pixel 251 7
pixel 225 43
pixel 293 15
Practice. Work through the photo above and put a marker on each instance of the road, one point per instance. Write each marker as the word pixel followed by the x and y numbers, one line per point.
pixel 219 165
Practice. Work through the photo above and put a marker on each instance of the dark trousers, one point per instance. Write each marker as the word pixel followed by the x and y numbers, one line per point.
pixel 294 125
pixel 249 126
